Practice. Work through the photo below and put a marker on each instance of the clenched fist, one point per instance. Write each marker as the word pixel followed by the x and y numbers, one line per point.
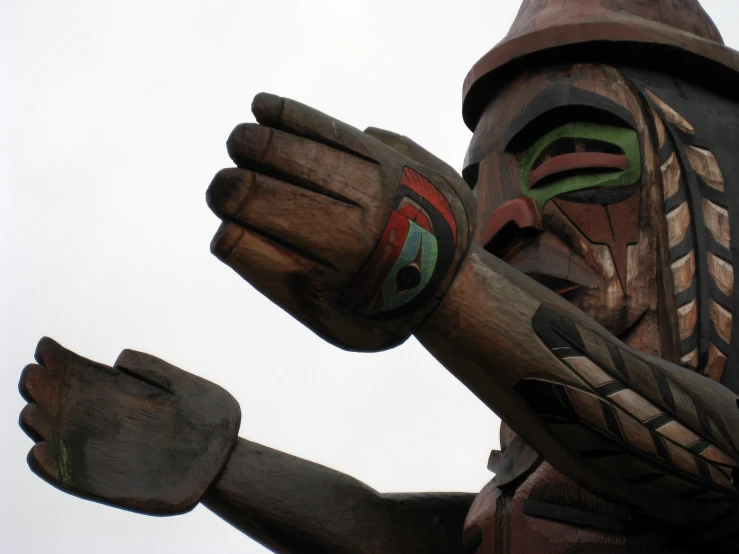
pixel 356 234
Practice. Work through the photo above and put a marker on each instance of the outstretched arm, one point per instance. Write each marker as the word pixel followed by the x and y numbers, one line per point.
pixel 291 505
pixel 626 425
pixel 365 241
pixel 354 237
pixel 131 435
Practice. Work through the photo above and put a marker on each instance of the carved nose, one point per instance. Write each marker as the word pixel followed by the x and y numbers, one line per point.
pixel 508 220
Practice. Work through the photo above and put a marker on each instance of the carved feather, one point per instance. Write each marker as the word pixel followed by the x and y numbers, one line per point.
pixel 699 239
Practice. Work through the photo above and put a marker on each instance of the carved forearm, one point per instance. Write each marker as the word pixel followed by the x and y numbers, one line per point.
pixel 629 426
pixel 291 505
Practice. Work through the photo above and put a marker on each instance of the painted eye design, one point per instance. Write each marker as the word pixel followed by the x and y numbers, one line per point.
pixel 571 156
pixel 413 254
pixel 408 277
pixel 588 161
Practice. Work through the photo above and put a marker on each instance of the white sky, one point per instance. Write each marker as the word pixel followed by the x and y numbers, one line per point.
pixel 113 120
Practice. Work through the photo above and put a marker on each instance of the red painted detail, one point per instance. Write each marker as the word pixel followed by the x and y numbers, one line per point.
pixel 426 190
pixel 364 290
pixel 578 160
pixel 412 213
pixel 522 211
pixel 616 225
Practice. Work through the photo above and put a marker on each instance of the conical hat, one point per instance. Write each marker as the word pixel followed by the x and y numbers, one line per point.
pixel 676 36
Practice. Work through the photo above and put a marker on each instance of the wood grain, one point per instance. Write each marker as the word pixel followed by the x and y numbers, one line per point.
pixel 670 172
pixel 683 272
pixel 722 273
pixel 292 505
pixel 704 163
pixel 717 222
pixel 672 115
pixel 678 222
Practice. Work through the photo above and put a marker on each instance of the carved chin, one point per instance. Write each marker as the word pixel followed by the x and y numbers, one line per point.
pixel 610 308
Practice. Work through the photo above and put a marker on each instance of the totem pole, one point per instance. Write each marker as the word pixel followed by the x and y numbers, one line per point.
pixel 577 278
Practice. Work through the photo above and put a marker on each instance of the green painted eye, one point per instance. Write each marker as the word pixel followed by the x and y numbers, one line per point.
pixel 580 156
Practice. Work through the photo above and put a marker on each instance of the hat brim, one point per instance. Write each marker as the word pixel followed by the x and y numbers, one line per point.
pixel 646 44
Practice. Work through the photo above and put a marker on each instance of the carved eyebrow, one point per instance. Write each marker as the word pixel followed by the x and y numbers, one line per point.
pixel 557 102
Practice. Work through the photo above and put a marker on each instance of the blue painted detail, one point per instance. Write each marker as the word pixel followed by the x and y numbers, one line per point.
pixel 418 238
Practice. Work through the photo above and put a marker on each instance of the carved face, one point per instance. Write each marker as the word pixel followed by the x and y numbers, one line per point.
pixel 563 165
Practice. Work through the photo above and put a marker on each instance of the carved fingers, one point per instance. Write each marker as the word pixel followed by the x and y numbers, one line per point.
pixel 311 224
pixel 353 234
pixel 36 422
pixel 301 120
pixel 53 388
pixel 305 188
pixel 130 435
pixel 302 211
pixel 306 162
pixel 40 385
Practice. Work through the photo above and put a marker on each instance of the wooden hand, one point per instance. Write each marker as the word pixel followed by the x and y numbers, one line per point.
pixel 142 435
pixel 352 237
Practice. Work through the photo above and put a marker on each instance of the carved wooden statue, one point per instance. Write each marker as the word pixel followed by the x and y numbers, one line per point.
pixel 578 279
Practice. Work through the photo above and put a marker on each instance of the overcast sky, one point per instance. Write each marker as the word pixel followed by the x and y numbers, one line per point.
pixel 113 120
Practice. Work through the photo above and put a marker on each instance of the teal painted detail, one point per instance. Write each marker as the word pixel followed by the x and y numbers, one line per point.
pixel 418 237
pixel 626 139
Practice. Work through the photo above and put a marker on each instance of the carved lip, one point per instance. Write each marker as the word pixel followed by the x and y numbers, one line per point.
pixel 546 260
pixel 578 162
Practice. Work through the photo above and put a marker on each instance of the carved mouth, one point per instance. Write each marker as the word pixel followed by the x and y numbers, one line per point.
pixel 546 260
pixel 563 287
